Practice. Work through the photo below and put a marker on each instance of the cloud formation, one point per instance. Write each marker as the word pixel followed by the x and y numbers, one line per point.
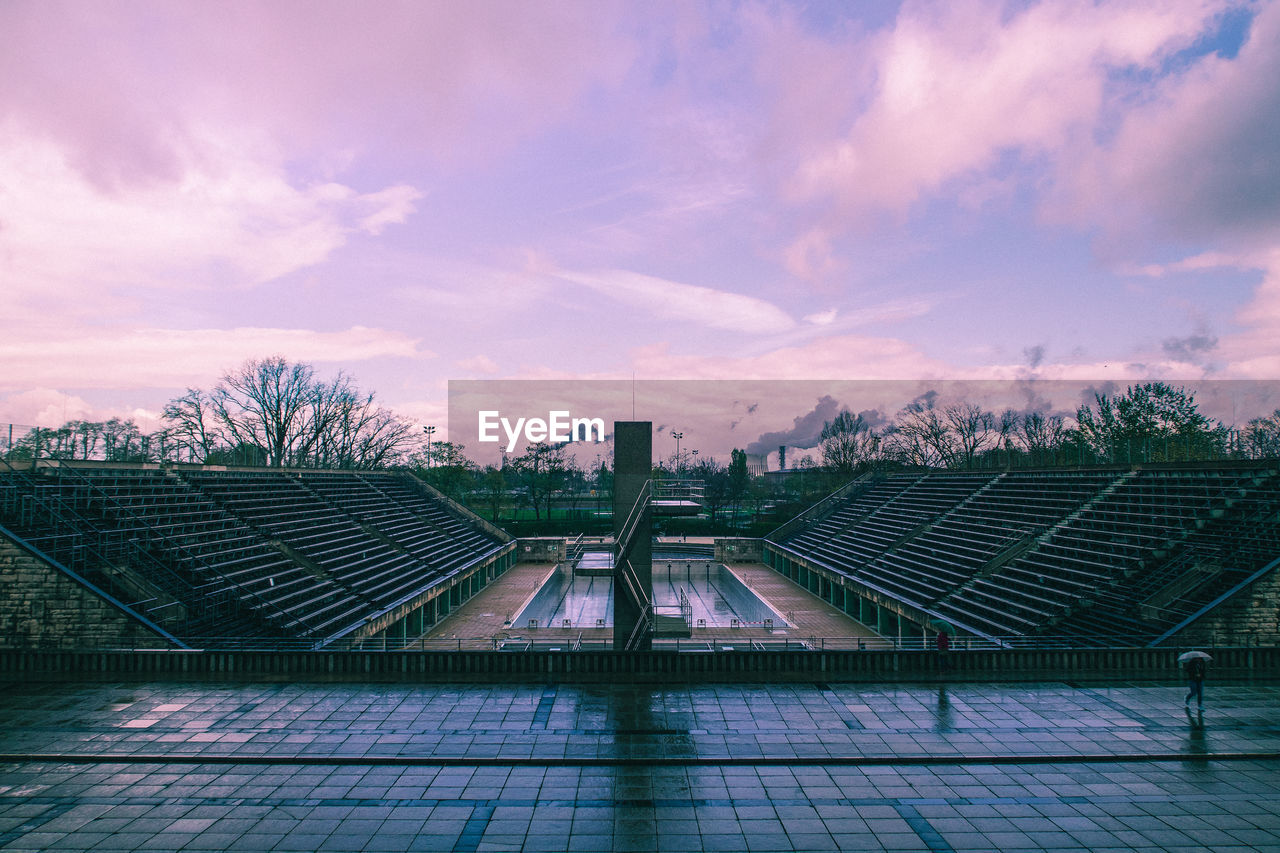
pixel 959 85
pixel 753 190
pixel 174 358
pixel 685 303
pixel 225 218
pixel 1198 162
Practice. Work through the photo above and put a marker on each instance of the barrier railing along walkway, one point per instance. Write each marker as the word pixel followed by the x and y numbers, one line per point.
pixel 572 640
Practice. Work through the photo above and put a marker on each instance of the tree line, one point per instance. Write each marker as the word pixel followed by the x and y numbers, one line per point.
pixel 271 412
pixel 1150 422
pixel 268 412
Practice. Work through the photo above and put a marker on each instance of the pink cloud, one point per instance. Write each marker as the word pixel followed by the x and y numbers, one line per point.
pixel 226 210
pixel 45 407
pixel 686 303
pixel 841 357
pixel 478 364
pixel 811 256
pixel 1197 163
pixel 70 357
pixel 958 85
pixel 125 87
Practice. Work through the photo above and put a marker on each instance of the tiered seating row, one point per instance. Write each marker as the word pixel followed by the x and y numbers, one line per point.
pixel 869 546
pixel 1033 552
pixel 362 547
pixel 369 499
pixel 200 541
pixel 375 572
pixel 1234 525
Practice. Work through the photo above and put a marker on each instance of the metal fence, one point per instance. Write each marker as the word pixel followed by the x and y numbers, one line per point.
pixel 547 641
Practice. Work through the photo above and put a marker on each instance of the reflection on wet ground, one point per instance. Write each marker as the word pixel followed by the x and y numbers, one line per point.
pixel 637 767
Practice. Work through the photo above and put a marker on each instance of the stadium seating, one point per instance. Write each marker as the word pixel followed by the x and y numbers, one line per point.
pixel 1089 555
pixel 281 554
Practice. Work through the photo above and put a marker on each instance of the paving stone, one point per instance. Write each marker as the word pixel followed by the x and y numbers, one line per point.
pixel 1038 804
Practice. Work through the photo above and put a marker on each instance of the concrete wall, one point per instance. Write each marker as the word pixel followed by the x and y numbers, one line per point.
pixel 1091 665
pixel 632 468
pixel 542 549
pixel 1252 617
pixel 739 551
pixel 42 607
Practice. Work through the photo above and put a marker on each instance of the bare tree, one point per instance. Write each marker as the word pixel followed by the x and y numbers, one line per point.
pixel 333 420
pixel 192 419
pixel 847 442
pixel 920 436
pixel 263 404
pixel 1040 435
pixel 971 430
pixel 123 442
pixel 1261 437
pixel 382 438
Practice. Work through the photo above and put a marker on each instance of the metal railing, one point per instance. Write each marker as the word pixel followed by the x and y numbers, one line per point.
pixel 103 549
pixel 218 585
pixel 578 642
pixel 679 490
pixel 824 507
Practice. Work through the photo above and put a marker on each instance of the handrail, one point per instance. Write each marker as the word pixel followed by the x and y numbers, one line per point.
pixel 242 592
pixel 68 517
pixel 628 530
pixel 788 527
pixel 1212 604
pixel 574 549
pixel 89 585
pixel 720 643
pixel 634 587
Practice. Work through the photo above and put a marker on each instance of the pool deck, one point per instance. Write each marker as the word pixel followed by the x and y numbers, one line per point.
pixel 484 617
pixel 808 615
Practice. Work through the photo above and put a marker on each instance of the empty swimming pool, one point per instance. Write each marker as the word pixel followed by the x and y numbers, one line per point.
pixel 584 599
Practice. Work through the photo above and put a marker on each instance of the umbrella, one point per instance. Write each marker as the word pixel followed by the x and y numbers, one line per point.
pixel 942 625
pixel 1187 657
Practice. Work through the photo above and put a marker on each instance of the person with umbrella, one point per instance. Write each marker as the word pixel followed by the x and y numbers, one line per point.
pixel 1196 665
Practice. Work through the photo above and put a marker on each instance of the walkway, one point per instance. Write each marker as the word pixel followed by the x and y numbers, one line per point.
pixel 532 767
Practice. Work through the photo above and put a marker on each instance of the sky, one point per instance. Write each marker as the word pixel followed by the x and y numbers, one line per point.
pixel 421 192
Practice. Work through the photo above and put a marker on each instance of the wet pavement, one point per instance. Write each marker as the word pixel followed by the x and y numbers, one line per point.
pixel 973 767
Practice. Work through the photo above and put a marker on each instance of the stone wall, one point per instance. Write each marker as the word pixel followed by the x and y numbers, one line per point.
pixel 43 608
pixel 739 551
pixel 1250 618
pixel 543 549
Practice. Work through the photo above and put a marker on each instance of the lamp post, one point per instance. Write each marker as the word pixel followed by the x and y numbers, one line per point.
pixel 430 431
pixel 677 436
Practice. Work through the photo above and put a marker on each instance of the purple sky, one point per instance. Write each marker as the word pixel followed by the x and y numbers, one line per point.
pixel 421 192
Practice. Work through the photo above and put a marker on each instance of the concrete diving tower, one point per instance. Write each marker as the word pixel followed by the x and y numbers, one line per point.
pixel 632 535
pixel 636 499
